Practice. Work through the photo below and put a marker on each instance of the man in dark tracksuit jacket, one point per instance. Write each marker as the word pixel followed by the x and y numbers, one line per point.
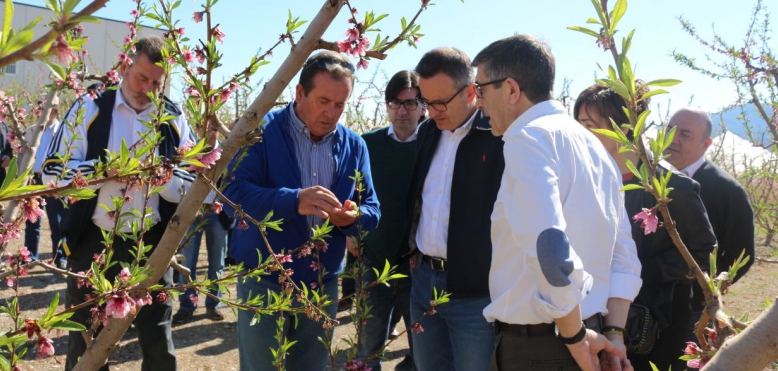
pixel 456 177
pixel 114 117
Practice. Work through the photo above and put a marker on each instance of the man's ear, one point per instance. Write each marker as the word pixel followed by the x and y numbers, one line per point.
pixel 513 89
pixel 299 92
pixel 708 142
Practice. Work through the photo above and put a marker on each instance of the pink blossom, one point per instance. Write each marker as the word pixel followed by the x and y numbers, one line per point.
pixel 143 300
pixel 188 145
pixel 314 285
pixel 219 34
pixel 194 299
pixel 242 225
pixel 210 158
pixel 284 258
pixel 44 347
pixel 188 56
pixel 198 17
pixel 24 254
pixel 31 209
pixel 217 207
pixel 162 297
pixel 118 306
pixel 10 282
pixel 692 348
pixel 180 31
pixel 225 95
pixel 134 13
pixel 9 259
pixel 416 327
pixel 314 266
pixel 112 75
pixel 65 54
pixel 352 34
pixel 124 274
pixel 123 57
pixel 649 219
pixel 362 64
pixel 127 40
pixel 200 54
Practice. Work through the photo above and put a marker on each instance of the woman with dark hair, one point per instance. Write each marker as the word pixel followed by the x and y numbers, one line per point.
pixel 667 285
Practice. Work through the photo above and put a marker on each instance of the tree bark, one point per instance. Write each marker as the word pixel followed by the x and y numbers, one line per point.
pixel 30 142
pixel 751 350
pixel 96 355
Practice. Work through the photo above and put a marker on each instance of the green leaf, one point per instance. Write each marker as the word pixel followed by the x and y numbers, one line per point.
pixel 630 187
pixel 592 21
pixel 9 15
pixel 640 124
pixel 584 30
pixel 67 325
pixel 626 43
pixel 56 69
pixel 612 135
pixel 10 171
pixel 652 93
pixel 618 11
pixel 663 82
pixel 634 170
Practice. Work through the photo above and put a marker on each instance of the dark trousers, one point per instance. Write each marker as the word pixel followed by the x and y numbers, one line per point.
pixel 153 321
pixel 670 341
pixel 524 352
pixel 521 351
pixel 32 231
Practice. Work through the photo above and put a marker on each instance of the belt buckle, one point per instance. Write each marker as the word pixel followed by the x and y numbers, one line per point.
pixel 438 264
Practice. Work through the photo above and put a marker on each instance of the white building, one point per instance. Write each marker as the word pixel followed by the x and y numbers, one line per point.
pixel 103 47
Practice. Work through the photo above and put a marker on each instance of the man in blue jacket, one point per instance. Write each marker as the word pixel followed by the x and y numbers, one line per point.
pixel 303 171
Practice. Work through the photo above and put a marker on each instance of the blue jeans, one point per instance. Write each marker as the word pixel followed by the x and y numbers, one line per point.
pixel 216 245
pixel 255 342
pixel 458 337
pixel 382 298
pixel 32 231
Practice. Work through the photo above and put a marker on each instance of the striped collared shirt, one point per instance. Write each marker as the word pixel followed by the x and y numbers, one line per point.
pixel 315 159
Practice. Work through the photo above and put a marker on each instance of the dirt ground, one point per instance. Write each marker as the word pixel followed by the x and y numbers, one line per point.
pixel 201 344
pixel 205 345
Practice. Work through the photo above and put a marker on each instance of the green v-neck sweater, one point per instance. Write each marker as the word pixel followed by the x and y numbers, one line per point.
pixel 391 165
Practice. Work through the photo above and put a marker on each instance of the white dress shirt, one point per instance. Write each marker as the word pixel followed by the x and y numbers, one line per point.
pixel 126 126
pixel 411 138
pixel 432 233
pixel 558 177
pixel 693 167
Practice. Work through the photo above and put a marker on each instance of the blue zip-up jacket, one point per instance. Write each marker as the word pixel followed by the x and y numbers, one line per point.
pixel 268 179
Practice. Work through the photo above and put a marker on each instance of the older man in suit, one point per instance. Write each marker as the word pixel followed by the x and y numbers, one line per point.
pixel 729 209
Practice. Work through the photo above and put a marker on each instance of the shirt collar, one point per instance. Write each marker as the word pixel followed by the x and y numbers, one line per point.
pixel 465 128
pixel 693 167
pixel 545 108
pixel 411 138
pixel 299 126
pixel 120 101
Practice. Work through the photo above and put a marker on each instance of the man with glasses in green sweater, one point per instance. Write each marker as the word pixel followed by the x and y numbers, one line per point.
pixel 392 151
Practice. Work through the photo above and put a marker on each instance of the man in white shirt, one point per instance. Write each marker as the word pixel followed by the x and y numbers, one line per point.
pixel 114 116
pixel 454 185
pixel 562 248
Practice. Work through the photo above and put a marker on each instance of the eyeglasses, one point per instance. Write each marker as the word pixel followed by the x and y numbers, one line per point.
pixel 323 63
pixel 410 104
pixel 478 85
pixel 443 106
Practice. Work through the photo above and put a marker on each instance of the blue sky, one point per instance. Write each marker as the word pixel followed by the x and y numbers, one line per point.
pixel 251 25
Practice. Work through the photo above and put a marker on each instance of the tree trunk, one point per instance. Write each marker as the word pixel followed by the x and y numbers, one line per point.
pixel 769 238
pixel 109 338
pixel 30 142
pixel 751 350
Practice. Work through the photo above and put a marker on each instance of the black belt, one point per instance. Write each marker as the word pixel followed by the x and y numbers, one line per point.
pixel 593 323
pixel 438 264
pixel 541 329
